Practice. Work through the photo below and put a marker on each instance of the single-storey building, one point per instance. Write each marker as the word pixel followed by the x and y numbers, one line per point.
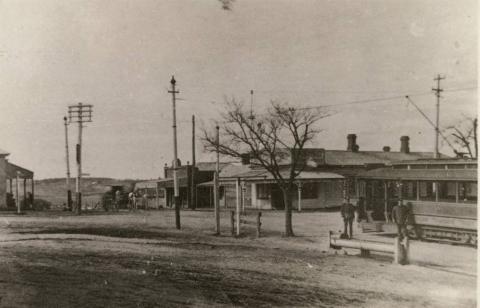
pixel 322 184
pixel 11 175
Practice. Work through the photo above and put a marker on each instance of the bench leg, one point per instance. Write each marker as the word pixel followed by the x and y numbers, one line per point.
pixel 365 253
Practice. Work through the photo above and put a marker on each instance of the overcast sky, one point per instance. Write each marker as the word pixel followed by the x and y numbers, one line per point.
pixel 120 55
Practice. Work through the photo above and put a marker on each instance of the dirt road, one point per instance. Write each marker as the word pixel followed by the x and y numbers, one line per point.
pixel 140 260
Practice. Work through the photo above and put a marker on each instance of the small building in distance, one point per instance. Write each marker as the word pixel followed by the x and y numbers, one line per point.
pixel 9 173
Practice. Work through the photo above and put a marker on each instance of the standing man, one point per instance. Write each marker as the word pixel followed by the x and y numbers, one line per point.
pixel 145 200
pixel 116 202
pixel 347 211
pixel 130 200
pixel 400 216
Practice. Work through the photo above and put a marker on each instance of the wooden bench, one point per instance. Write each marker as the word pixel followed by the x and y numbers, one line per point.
pixel 399 249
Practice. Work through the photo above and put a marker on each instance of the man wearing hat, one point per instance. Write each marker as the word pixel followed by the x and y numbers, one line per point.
pixel 347 211
pixel 400 217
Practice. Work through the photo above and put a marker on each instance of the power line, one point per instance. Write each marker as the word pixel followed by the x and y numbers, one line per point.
pixel 365 101
pixel 431 123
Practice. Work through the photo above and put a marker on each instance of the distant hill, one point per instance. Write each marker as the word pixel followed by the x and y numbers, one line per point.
pixel 54 190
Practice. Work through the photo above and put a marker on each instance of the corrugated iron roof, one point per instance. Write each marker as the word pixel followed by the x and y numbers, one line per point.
pixel 210 166
pixel 316 157
pixel 338 157
pixel 12 172
pixel 421 174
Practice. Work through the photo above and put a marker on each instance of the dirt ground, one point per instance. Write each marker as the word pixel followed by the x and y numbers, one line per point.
pixel 140 260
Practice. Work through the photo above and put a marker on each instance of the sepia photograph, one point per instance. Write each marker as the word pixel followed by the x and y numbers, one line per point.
pixel 238 153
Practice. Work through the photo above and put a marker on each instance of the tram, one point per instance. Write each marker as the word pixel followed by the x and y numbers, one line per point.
pixel 441 194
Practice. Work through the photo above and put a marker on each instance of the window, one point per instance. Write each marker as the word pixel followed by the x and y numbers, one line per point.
pixel 309 191
pixel 427 191
pixel 352 187
pixel 468 192
pixel 409 190
pixel 263 191
pixel 446 191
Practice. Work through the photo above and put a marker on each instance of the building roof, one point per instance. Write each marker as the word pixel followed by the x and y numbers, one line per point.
pixel 168 182
pixel 439 161
pixel 421 174
pixel 316 157
pixel 263 176
pixel 12 170
pixel 338 157
pixel 210 166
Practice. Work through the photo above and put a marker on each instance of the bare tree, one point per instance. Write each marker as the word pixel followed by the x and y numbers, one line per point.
pixel 273 140
pixel 464 135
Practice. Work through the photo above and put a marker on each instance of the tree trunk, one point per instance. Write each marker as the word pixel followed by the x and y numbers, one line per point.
pixel 287 200
pixel 475 137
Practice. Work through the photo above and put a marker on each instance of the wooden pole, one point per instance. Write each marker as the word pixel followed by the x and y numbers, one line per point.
pixel 385 185
pixel 67 158
pixel 237 186
pixel 232 222
pixel 216 184
pixel 299 188
pixel 193 184
pixel 175 157
pixel 259 223
pixel 17 200
pixel 25 193
pixel 33 191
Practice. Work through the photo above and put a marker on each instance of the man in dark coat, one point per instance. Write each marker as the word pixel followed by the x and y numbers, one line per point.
pixel 400 215
pixel 347 211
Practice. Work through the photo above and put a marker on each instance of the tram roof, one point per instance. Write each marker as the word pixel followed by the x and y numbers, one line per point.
pixel 420 174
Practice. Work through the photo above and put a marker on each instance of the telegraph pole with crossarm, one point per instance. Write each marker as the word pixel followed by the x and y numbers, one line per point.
pixel 69 192
pixel 437 91
pixel 175 158
pixel 80 114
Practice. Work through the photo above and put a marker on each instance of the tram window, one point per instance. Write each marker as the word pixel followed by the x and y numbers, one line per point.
pixel 446 191
pixel 351 186
pixel 468 192
pixel 427 191
pixel 409 190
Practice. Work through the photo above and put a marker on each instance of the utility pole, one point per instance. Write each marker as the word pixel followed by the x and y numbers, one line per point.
pixel 17 199
pixel 216 183
pixel 437 91
pixel 69 192
pixel 194 188
pixel 175 158
pixel 251 117
pixel 80 114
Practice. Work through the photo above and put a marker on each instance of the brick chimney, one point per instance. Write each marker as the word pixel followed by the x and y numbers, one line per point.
pixel 386 149
pixel 404 146
pixel 352 145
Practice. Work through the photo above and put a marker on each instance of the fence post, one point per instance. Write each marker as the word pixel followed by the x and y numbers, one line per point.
pixel 259 223
pixel 232 221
